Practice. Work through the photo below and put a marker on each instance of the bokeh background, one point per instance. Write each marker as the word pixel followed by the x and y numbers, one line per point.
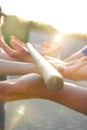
pixel 52 21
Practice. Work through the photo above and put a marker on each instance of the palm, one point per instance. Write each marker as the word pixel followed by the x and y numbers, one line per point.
pixel 68 68
pixel 20 52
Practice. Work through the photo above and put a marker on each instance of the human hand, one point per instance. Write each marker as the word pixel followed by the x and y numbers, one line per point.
pixel 74 70
pixel 47 48
pixel 20 52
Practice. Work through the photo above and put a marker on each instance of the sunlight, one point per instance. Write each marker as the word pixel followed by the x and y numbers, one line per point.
pixel 68 16
pixel 58 37
pixel 21 110
pixel 17 117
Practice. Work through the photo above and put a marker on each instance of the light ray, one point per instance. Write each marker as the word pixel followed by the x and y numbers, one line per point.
pixel 17 117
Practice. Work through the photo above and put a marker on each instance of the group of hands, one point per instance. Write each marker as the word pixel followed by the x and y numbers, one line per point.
pixel 17 51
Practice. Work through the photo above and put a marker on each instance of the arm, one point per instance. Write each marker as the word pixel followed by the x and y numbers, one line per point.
pixel 16 68
pixel 32 86
pixel 19 52
pixel 81 73
pixel 78 54
pixel 67 69
pixel 74 70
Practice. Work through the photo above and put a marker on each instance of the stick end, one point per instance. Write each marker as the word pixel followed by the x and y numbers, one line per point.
pixel 55 83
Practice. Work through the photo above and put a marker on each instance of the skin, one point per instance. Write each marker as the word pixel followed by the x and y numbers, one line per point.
pixel 19 52
pixel 20 68
pixel 76 55
pixel 33 86
pixel 74 70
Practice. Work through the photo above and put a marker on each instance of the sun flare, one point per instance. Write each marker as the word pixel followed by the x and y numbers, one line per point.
pixel 68 16
pixel 58 37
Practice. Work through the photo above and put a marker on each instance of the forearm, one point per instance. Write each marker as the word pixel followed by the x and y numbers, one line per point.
pixel 16 68
pixel 73 96
pixel 78 54
pixel 75 56
pixel 32 86
pixel 74 70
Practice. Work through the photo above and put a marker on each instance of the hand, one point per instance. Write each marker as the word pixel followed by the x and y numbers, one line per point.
pixel 74 70
pixel 47 49
pixel 25 87
pixel 20 52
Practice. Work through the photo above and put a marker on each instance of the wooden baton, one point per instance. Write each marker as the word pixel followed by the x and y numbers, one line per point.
pixel 52 78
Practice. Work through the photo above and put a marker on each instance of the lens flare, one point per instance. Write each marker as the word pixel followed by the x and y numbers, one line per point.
pixel 17 117
pixel 58 37
pixel 21 110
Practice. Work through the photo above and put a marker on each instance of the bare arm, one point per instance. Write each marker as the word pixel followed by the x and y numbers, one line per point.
pixel 19 52
pixel 77 55
pixel 67 69
pixel 32 86
pixel 75 70
pixel 16 68
pixel 72 69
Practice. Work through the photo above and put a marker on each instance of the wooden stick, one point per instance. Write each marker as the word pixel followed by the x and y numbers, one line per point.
pixel 52 78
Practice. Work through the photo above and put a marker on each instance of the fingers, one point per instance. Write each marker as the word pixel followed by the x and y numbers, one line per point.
pixel 19 41
pixel 51 49
pixel 5 47
pixel 45 45
pixel 17 44
pixel 12 37
pixel 75 65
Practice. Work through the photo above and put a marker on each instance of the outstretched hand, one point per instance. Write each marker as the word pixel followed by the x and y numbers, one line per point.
pixel 20 52
pixel 74 70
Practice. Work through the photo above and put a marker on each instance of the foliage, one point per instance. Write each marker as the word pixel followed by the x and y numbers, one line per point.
pixel 41 26
pixel 20 28
pixel 77 36
pixel 13 26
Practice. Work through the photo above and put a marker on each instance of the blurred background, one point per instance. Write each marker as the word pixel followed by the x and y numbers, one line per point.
pixel 38 21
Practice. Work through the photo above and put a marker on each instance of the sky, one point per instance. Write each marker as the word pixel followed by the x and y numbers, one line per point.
pixel 68 16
